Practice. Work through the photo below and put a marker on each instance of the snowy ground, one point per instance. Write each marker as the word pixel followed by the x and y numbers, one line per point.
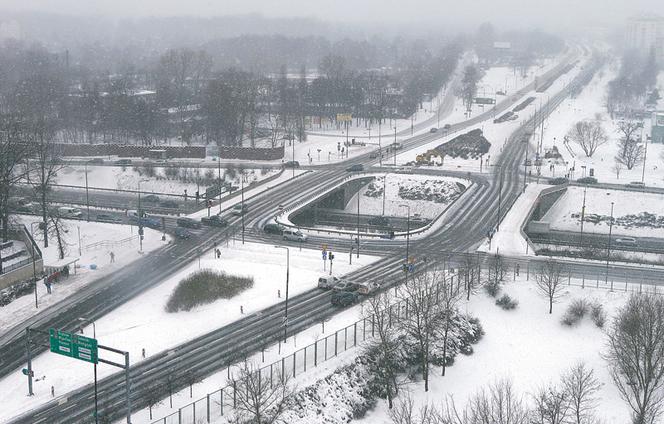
pixel 97 241
pixel 113 177
pixel 590 105
pixel 528 346
pixel 445 189
pixel 598 202
pixel 496 133
pixel 143 322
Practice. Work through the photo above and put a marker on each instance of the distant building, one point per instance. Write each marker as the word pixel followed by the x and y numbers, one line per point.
pixel 646 33
pixel 657 129
pixel 9 30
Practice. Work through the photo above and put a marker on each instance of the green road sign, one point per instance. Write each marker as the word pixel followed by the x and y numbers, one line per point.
pixel 73 345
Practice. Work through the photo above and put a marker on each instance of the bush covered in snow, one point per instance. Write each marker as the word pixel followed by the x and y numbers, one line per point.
pixel 598 314
pixel 431 190
pixel 575 312
pixel 16 290
pixel 353 389
pixel 206 286
pixel 506 302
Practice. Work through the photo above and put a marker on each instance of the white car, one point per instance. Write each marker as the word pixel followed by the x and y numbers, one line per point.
pixel 328 281
pixel 368 288
pixel 294 235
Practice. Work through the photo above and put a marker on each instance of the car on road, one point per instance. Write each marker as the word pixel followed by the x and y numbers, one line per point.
pixel 355 168
pixel 188 223
pixel 379 221
pixel 587 180
pixel 433 130
pixel 104 217
pixel 151 198
pixel 123 162
pixel 626 241
pixel 328 281
pixel 292 164
pixel 636 184
pixel 294 235
pixel 67 212
pixel 368 288
pixel 344 298
pixel 346 286
pixel 418 220
pixel 214 221
pixel 447 127
pixel 239 209
pixel 169 204
pixel 374 155
pixel 96 161
pixel 273 228
pixel 146 221
pixel 182 233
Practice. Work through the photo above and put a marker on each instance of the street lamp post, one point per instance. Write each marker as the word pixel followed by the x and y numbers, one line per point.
pixel 34 265
pixel 287 277
pixel 358 223
pixel 500 198
pixel 242 199
pixel 407 236
pixel 218 178
pixel 94 336
pixel 395 145
pixel 608 250
pixel 380 149
pixel 87 198
pixel 583 213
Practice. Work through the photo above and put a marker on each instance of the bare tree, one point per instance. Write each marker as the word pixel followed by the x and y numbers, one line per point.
pixel 551 405
pixel 631 152
pixel 496 273
pixel 636 356
pixel 471 76
pixel 405 413
pixel 385 346
pixel 13 152
pixel 617 167
pixel 152 398
pixel 57 228
pixel 421 294
pixel 449 298
pixel 261 398
pixel 471 274
pixel 589 135
pixel 548 280
pixel 45 169
pixel 581 387
pixel 496 404
pixel 190 379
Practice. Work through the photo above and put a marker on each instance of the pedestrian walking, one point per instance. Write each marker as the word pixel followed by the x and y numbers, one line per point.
pixel 112 257
pixel 52 391
pixel 143 353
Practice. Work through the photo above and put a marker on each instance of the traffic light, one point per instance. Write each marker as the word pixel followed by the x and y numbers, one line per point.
pixel 331 256
pixel 404 267
pixel 209 204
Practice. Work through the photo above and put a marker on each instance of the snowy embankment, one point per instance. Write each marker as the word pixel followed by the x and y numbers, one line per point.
pixel 143 323
pixel 635 214
pixel 97 241
pixel 427 196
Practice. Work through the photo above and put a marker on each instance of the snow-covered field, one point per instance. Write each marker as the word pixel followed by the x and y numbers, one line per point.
pixel 113 177
pixel 591 105
pixel 527 346
pixel 426 195
pixel 598 203
pixel 143 322
pixel 97 241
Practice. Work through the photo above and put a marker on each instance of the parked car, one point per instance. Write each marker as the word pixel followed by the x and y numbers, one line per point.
pixel 635 184
pixel 447 127
pixel 328 281
pixel 344 298
pixel 214 221
pixel 355 168
pixel 587 180
pixel 346 286
pixel 558 181
pixel 104 217
pixel 150 198
pixel 626 241
pixel 379 221
pixel 273 228
pixel 123 162
pixel 134 215
pixel 239 209
pixel 146 221
pixel 188 223
pixel 373 155
pixel 294 235
pixel 292 164
pixel 96 161
pixel 182 233
pixel 170 204
pixel 67 212
pixel 433 130
pixel 367 288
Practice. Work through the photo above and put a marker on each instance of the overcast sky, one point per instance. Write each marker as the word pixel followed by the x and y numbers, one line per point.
pixel 524 12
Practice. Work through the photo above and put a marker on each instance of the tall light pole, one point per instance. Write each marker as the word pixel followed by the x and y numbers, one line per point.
pixel 293 148
pixel 608 250
pixel 380 149
pixel 645 155
pixel 94 336
pixel 500 197
pixel 583 213
pixel 358 222
pixel 218 178
pixel 242 198
pixel 407 235
pixel 287 276
pixel 395 145
pixel 140 218
pixel 87 198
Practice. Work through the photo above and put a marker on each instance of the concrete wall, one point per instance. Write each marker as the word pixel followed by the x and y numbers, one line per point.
pixel 129 151
pixel 28 271
pixel 249 153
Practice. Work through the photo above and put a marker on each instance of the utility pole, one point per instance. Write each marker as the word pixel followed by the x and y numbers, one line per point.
pixel 583 214
pixel 608 250
pixel 242 198
pixel 287 278
pixel 293 147
pixel 358 222
pixel 645 155
pixel 380 149
pixel 500 198
pixel 525 166
pixel 140 219
pixel 384 189
pixel 395 145
pixel 407 238
pixel 94 336
pixel 219 178
pixel 87 198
